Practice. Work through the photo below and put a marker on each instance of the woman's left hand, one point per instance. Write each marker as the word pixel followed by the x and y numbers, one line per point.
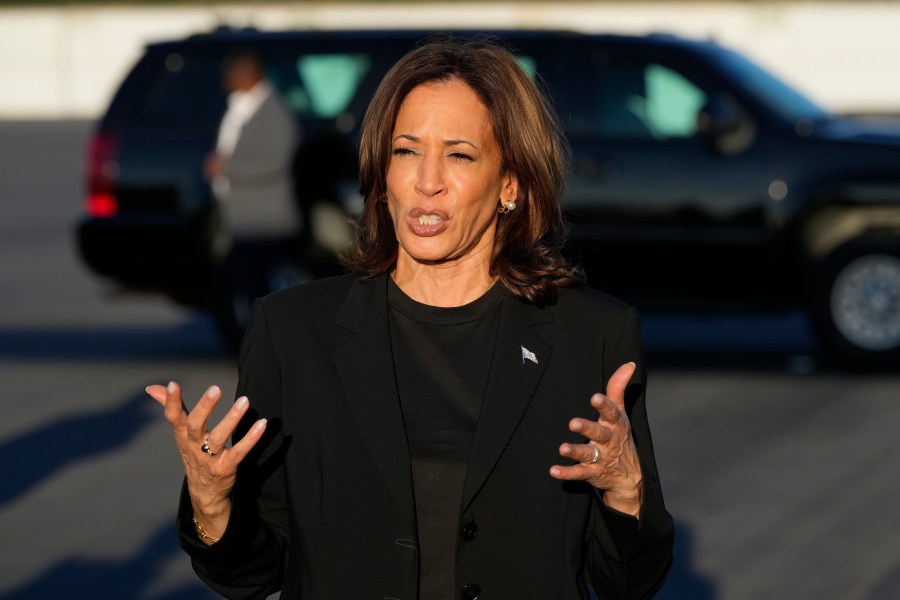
pixel 609 459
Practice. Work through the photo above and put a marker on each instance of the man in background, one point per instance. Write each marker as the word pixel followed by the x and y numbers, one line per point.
pixel 250 171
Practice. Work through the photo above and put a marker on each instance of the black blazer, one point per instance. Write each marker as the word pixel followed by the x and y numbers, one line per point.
pixel 324 507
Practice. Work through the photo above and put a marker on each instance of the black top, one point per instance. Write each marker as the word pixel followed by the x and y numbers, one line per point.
pixel 442 359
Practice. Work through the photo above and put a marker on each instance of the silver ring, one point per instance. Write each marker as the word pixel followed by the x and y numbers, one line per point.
pixel 596 457
pixel 205 447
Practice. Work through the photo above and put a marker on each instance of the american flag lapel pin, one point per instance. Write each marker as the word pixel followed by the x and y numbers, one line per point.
pixel 528 355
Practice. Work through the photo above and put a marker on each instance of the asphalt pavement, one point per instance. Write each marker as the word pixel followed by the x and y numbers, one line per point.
pixel 781 473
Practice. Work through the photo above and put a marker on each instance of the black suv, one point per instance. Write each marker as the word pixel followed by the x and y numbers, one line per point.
pixel 698 179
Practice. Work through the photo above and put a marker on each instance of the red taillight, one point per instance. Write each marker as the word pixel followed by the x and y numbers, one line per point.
pixel 102 174
pixel 102 205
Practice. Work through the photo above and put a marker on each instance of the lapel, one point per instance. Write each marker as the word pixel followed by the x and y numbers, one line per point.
pixel 511 385
pixel 366 369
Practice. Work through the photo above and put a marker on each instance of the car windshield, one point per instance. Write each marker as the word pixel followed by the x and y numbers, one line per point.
pixel 779 96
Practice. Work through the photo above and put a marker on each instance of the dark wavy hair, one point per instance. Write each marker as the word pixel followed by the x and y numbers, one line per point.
pixel 527 255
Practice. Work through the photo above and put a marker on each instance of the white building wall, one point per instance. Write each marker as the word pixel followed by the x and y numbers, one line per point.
pixel 65 62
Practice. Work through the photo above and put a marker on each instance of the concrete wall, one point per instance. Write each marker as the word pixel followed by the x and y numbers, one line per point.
pixel 65 62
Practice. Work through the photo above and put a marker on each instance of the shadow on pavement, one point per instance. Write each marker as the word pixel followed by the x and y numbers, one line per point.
pixel 194 339
pixel 780 342
pixel 888 587
pixel 684 582
pixel 129 577
pixel 30 458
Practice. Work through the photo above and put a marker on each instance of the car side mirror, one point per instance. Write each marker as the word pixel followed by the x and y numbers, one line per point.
pixel 725 126
pixel 716 118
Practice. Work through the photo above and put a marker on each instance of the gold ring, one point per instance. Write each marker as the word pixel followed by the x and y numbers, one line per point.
pixel 205 447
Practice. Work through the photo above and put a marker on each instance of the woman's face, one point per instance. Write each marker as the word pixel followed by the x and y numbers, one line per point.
pixel 444 181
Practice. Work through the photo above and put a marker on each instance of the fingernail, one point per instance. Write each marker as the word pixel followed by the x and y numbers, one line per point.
pixel 576 425
pixel 632 363
pixel 554 471
pixel 241 402
pixel 171 387
pixel 260 425
pixel 213 390
pixel 147 389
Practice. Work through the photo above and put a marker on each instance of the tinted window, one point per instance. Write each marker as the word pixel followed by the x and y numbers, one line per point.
pixel 185 87
pixel 180 87
pixel 528 64
pixel 633 100
pixel 326 83
pixel 672 103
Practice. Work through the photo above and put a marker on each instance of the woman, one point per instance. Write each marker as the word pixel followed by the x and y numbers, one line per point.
pixel 403 421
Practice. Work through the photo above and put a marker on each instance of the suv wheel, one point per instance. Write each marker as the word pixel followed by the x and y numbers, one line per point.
pixel 857 303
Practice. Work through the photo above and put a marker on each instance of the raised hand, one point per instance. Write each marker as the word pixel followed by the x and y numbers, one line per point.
pixel 210 466
pixel 609 458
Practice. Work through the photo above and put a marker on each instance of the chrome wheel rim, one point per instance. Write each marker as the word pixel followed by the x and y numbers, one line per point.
pixel 865 302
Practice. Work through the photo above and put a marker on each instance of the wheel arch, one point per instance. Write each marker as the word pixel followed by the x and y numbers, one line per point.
pixel 833 223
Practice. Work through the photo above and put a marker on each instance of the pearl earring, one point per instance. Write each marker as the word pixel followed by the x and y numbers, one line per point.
pixel 506 207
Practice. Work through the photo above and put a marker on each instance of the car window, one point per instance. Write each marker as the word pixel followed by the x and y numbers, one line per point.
pixel 182 88
pixel 672 103
pixel 187 87
pixel 619 102
pixel 528 64
pixel 322 86
pixel 631 99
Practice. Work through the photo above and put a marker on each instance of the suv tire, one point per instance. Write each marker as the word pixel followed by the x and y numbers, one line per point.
pixel 856 301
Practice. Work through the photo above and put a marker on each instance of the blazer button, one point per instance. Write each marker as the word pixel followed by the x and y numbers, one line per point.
pixel 470 591
pixel 469 531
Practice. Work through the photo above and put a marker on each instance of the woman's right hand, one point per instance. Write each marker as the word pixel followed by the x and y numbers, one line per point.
pixel 210 474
